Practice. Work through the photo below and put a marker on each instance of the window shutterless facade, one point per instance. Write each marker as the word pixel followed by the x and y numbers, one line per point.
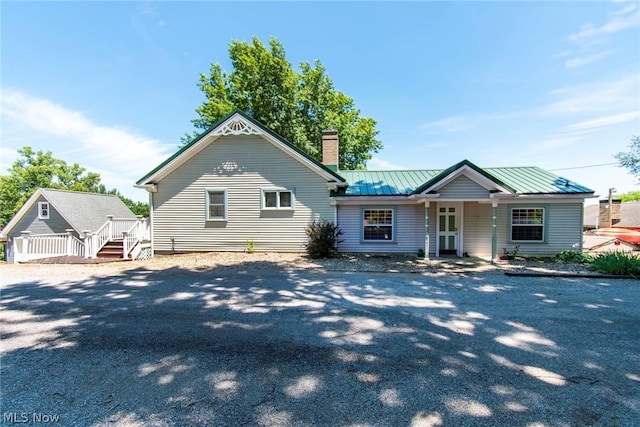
pixel 43 210
pixel 528 224
pixel 216 204
pixel 277 198
pixel 378 225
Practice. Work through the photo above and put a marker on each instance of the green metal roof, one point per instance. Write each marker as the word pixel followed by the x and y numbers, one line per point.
pixel 534 180
pixel 385 183
pixel 520 180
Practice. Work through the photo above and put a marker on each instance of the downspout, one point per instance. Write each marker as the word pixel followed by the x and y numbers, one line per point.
pixel 494 236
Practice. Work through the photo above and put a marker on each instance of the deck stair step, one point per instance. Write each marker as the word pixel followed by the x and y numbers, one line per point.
pixel 111 249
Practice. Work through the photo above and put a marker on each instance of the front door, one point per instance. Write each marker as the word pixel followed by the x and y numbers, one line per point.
pixel 447 229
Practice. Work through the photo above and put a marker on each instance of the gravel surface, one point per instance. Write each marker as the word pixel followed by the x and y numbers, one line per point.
pixel 278 339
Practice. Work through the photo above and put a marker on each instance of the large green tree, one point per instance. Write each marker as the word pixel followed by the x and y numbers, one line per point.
pixel 631 196
pixel 296 105
pixel 631 159
pixel 39 169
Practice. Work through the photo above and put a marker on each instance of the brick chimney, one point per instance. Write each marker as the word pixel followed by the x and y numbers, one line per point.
pixel 603 213
pixel 330 149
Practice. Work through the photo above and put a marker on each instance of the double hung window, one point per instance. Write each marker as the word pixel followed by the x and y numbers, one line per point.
pixel 527 224
pixel 378 225
pixel 216 204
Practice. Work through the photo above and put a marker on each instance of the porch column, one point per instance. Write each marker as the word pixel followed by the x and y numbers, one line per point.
pixel 87 243
pixel 125 244
pixel 69 241
pixel 22 254
pixel 426 229
pixel 110 221
pixel 494 236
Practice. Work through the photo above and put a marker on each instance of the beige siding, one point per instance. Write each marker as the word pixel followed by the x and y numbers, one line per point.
pixel 463 188
pixel 243 165
pixel 409 229
pixel 477 229
pixel 433 228
pixel 564 229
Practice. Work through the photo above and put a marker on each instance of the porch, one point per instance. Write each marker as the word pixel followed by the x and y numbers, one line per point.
pixel 118 238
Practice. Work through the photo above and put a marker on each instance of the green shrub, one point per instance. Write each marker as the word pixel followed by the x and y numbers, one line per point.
pixel 621 263
pixel 578 257
pixel 323 239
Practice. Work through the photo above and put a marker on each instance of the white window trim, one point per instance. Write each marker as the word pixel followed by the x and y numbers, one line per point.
pixel 40 205
pixel 393 223
pixel 543 225
pixel 277 190
pixel 206 206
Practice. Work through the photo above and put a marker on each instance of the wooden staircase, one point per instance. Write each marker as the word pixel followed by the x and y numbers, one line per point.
pixel 112 249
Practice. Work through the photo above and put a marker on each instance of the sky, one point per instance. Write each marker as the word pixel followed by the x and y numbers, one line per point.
pixel 113 85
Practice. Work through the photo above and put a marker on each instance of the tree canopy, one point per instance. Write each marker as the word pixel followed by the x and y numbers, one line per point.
pixel 296 105
pixel 631 159
pixel 39 169
pixel 631 196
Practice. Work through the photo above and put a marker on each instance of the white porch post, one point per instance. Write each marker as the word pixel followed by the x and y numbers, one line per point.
pixel 93 237
pixel 125 244
pixel 140 234
pixel 21 254
pixel 110 221
pixel 69 241
pixel 426 229
pixel 87 243
pixel 494 236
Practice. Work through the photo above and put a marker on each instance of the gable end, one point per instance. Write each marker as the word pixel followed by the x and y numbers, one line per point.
pixel 236 123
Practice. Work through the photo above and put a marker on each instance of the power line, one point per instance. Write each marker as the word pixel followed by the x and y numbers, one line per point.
pixel 584 167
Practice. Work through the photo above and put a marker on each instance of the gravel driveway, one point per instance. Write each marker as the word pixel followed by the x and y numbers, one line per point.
pixel 261 342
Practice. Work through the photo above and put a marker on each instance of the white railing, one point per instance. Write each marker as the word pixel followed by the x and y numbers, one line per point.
pixel 28 248
pixel 131 231
pixel 116 229
pixel 139 232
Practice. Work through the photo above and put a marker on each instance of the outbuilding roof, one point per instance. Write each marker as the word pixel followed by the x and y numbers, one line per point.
pixel 83 211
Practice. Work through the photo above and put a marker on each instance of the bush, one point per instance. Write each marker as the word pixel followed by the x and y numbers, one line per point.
pixel 323 239
pixel 578 257
pixel 621 263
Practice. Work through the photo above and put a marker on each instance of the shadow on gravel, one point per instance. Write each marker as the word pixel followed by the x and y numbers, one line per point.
pixel 258 344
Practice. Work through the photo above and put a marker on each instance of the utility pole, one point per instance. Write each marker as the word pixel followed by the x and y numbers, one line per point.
pixel 610 211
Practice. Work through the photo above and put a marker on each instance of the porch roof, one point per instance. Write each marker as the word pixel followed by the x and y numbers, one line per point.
pixel 522 180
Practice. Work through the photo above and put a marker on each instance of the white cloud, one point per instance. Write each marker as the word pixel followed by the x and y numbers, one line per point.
pixel 619 20
pixel 450 124
pixel 467 121
pixel 604 121
pixel 96 147
pixel 584 60
pixel 603 96
pixel 591 38
pixel 377 163
pixel 7 157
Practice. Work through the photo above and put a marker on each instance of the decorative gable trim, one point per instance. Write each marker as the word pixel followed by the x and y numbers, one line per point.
pixel 471 171
pixel 236 123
